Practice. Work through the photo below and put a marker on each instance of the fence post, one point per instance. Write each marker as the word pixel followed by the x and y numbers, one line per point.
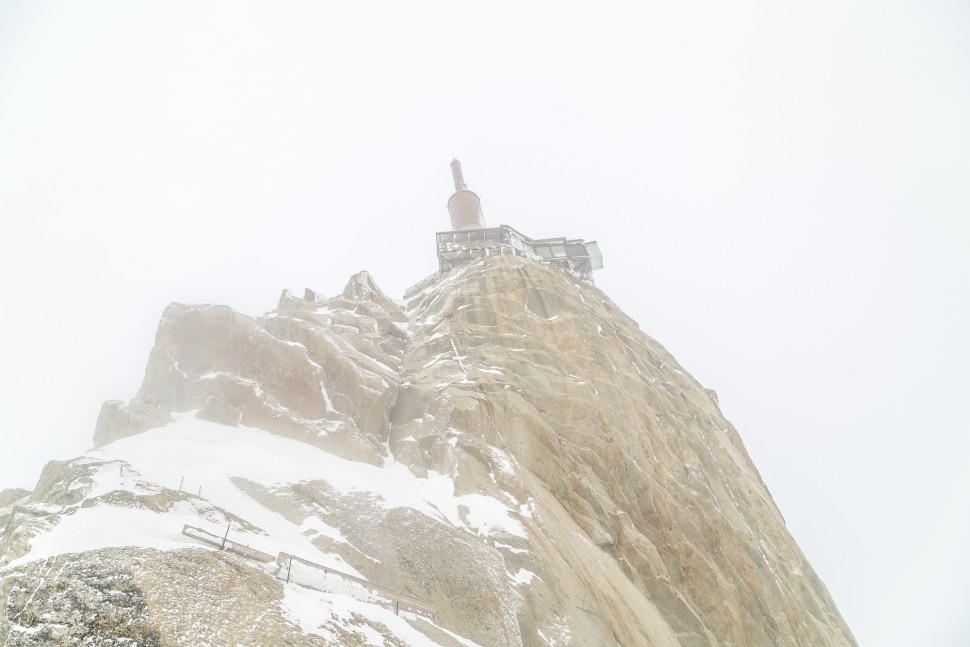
pixel 181 483
pixel 226 536
pixel 289 569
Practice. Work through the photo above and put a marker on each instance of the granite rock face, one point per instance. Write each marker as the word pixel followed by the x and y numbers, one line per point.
pixel 632 514
pixel 526 383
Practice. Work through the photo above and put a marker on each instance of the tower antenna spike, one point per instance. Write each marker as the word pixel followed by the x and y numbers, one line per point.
pixel 457 176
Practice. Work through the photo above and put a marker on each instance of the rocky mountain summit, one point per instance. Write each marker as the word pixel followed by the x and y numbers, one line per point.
pixel 504 460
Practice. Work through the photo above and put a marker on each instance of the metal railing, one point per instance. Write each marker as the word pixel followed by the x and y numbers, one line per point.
pixel 224 543
pixel 317 576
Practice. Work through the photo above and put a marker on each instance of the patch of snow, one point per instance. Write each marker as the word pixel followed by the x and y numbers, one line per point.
pixel 511 549
pixel 319 527
pixel 562 628
pixel 459 358
pixel 486 514
pixel 107 526
pixel 313 610
pixel 528 508
pixel 435 360
pixel 522 576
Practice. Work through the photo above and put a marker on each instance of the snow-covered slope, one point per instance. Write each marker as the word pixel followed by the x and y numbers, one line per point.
pixel 141 491
pixel 202 458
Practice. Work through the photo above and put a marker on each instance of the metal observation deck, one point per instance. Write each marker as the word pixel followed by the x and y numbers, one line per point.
pixel 575 255
pixel 471 240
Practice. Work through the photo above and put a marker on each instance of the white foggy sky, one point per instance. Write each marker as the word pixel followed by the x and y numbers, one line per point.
pixel 781 192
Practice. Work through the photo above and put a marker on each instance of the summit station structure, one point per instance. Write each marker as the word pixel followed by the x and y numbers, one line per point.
pixel 469 240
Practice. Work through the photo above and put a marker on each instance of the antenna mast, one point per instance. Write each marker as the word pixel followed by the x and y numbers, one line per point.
pixel 457 176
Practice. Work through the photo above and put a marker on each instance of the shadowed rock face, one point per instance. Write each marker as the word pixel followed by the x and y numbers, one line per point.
pixel 645 521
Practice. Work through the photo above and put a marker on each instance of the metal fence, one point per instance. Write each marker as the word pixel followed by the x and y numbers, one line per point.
pixel 306 573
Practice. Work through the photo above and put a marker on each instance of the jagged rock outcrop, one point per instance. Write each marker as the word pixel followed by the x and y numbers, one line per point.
pixel 8 503
pixel 597 495
pixel 324 371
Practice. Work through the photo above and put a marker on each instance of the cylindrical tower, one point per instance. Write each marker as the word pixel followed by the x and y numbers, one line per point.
pixel 464 206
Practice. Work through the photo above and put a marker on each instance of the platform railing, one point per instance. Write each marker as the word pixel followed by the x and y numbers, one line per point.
pixel 420 285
